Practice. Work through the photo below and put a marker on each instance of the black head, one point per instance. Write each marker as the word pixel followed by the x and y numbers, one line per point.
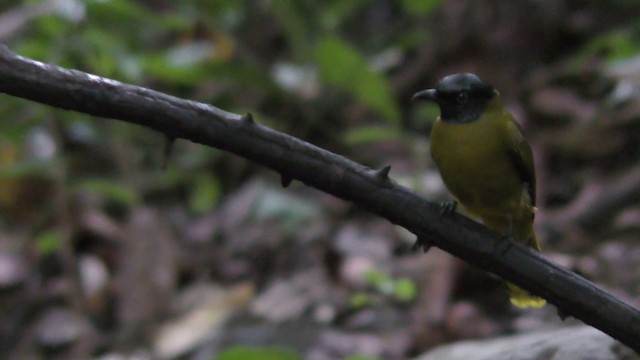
pixel 461 97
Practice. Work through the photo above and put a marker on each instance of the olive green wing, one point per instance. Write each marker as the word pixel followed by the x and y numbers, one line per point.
pixel 522 158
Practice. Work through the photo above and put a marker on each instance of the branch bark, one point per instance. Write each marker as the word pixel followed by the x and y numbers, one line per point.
pixel 328 172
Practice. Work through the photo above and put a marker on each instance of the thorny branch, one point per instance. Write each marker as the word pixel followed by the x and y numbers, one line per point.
pixel 295 159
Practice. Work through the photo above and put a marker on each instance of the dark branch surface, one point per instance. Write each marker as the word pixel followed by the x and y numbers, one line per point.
pixel 328 172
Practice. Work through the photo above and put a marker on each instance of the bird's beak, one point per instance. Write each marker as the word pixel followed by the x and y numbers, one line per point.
pixel 429 95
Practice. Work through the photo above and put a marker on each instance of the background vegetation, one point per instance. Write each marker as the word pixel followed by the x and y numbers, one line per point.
pixel 104 251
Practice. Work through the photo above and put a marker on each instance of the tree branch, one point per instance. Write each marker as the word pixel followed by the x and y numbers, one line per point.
pixel 328 172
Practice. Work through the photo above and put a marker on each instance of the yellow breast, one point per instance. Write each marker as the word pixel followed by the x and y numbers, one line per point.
pixel 473 159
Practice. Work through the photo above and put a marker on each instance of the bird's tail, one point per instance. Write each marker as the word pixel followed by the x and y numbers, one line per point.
pixel 521 231
pixel 520 297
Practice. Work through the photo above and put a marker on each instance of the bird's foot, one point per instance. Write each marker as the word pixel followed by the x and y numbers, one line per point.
pixel 448 207
pixel 421 242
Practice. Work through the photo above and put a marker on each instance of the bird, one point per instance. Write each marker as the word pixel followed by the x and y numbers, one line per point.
pixel 486 162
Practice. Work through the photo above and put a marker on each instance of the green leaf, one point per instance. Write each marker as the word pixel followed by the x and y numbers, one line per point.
pixel 48 242
pixel 22 168
pixel 205 194
pixel 343 67
pixel 296 23
pixel 376 278
pixel 336 13
pixel 360 300
pixel 113 191
pixel 247 353
pixel 368 134
pixel 383 283
pixel 420 7
pixel 405 289
pixel 361 357
pixel 124 11
pixel 164 68
pixel 617 45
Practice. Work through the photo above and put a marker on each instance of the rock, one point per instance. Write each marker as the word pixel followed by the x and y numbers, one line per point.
pixel 287 299
pixel 139 354
pixel 13 271
pixel 580 342
pixel 183 334
pixel 94 275
pixel 58 329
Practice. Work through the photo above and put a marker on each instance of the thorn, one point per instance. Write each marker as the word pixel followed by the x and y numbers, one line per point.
pixel 285 180
pixel 168 148
pixel 421 242
pixel 383 173
pixel 448 207
pixel 562 314
pixel 247 119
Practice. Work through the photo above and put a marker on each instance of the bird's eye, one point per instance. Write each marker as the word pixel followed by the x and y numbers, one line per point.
pixel 462 98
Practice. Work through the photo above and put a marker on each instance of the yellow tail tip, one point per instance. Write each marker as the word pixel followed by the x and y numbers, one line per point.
pixel 531 302
pixel 522 298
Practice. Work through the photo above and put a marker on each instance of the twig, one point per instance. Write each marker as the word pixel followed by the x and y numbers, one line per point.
pixel 331 173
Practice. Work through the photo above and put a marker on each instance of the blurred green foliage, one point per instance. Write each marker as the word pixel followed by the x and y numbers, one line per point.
pixel 302 67
pixel 421 6
pixel 48 242
pixel 297 65
pixel 616 45
pixel 319 70
pixel 400 289
pixel 205 193
pixel 361 357
pixel 110 190
pixel 340 65
pixel 247 353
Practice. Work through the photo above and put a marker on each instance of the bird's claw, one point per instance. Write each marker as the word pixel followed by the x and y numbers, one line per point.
pixel 448 207
pixel 421 242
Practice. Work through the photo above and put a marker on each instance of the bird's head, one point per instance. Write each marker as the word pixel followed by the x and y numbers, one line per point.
pixel 462 98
